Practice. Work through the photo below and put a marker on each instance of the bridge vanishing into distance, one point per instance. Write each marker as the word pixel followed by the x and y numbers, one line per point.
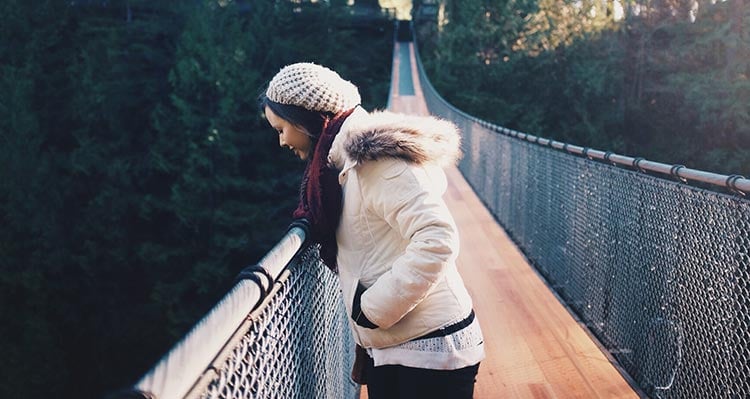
pixel 593 274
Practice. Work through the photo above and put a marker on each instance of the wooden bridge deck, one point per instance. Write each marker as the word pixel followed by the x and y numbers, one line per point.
pixel 535 347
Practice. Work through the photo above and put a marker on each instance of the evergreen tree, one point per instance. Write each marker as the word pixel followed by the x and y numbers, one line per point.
pixel 138 177
pixel 29 196
pixel 668 83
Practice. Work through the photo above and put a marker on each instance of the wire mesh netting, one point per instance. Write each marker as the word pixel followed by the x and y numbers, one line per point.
pixel 658 270
pixel 298 346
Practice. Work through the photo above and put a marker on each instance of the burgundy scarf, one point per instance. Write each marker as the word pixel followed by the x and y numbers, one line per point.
pixel 320 193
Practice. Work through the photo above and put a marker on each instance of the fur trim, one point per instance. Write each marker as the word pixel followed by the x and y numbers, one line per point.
pixel 416 139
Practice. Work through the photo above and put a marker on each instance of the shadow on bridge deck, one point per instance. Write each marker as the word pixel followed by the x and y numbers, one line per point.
pixel 535 347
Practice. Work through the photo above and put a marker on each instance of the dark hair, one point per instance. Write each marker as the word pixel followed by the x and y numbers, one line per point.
pixel 312 121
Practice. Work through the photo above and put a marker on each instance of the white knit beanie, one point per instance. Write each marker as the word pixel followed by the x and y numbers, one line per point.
pixel 313 87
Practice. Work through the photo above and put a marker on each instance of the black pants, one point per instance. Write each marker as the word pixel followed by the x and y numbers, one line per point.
pixel 394 382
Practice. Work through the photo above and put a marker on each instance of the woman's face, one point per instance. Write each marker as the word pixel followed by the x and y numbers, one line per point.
pixel 290 135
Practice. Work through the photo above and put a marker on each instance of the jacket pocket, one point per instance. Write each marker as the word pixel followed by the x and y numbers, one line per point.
pixel 357 315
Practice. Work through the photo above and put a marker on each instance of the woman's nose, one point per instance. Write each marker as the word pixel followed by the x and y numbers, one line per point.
pixel 281 140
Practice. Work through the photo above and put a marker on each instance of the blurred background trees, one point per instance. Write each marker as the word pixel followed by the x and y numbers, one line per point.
pixel 137 175
pixel 664 79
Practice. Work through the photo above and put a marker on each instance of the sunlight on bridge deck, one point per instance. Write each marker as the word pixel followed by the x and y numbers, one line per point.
pixel 535 348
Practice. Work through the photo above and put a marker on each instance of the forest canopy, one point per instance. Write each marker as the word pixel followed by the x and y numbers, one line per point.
pixel 138 176
pixel 667 80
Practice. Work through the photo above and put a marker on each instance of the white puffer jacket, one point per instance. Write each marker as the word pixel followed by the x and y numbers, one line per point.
pixel 397 238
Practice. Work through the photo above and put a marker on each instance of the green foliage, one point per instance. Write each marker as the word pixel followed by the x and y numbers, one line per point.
pixel 657 84
pixel 138 175
pixel 27 202
pixel 711 66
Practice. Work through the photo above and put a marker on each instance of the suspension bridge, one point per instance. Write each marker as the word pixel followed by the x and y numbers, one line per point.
pixel 593 275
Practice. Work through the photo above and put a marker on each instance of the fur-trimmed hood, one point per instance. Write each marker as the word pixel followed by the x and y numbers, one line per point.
pixel 382 134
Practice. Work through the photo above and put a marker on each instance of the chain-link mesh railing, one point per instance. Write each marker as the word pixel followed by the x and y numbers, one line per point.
pixel 282 332
pixel 657 269
pixel 297 346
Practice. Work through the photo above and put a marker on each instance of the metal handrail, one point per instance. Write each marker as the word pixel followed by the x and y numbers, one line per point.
pixel 175 375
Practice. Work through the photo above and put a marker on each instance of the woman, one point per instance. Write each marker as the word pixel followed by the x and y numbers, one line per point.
pixel 372 192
